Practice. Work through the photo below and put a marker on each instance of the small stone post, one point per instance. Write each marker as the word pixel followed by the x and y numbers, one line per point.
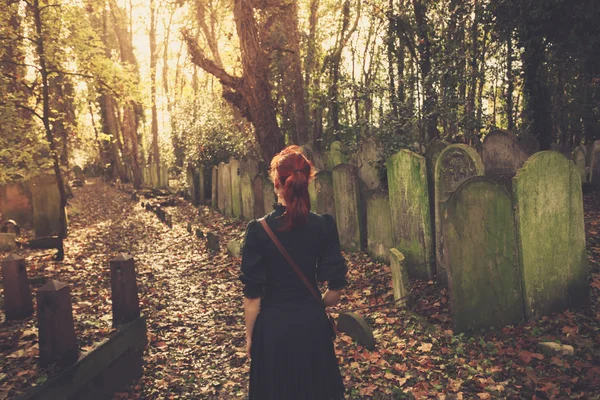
pixel 399 277
pixel 125 302
pixel 58 343
pixel 17 293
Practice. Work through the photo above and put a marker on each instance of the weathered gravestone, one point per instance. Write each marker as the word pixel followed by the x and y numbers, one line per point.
pixel 455 164
pixel 193 181
pixel 336 156
pixel 247 197
pixel 201 186
pixel 8 241
pixel 578 157
pixel 320 190
pixel 78 173
pixel 400 282
pixel 314 156
pixel 257 192
pixel 502 154
pixel 45 199
pixel 124 292
pixel 366 159
pixel 234 248
pixel 214 184
pixel 434 148
pixel 348 207
pixel 15 203
pixel 18 303
pixel 409 206
pixel 269 197
pixel 57 340
pixel 481 256
pixel 357 328
pixel 550 234
pixel 154 176
pixel 379 224
pixel 236 188
pixel 595 163
pixel 249 166
pixel 212 241
pixel 163 177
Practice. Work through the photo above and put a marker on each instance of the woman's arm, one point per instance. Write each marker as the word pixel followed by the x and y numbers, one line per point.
pixel 251 309
pixel 331 297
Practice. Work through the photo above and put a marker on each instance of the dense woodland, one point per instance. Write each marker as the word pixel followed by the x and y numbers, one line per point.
pixel 114 83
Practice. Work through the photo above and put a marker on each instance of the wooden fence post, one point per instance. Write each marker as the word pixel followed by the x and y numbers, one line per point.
pixel 17 293
pixel 125 302
pixel 58 343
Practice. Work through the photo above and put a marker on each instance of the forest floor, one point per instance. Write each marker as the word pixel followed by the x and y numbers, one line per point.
pixel 193 304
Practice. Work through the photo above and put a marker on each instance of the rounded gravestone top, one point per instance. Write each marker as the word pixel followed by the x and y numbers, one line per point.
pixel 122 257
pixel 13 257
pixel 53 286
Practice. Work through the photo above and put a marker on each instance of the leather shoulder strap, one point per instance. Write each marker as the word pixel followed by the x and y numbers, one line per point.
pixel 289 259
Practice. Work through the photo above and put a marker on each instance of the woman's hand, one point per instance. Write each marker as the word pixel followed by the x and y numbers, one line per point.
pixel 248 347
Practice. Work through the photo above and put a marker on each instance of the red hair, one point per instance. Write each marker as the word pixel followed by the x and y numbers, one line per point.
pixel 290 172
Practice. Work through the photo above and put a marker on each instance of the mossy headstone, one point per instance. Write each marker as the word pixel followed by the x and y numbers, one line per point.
pixel 320 190
pixel 247 196
pixel 595 163
pixel 15 203
pixel 337 155
pixel 379 224
pixel 348 207
pixel 45 199
pixel 314 156
pixel 578 157
pixel 366 159
pixel 455 164
pixel 192 180
pixel 214 186
pixel 502 154
pixel 409 209
pixel 236 188
pixel 548 205
pixel 480 252
pixel 434 148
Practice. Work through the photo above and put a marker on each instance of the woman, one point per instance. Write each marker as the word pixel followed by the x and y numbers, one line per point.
pixel 288 334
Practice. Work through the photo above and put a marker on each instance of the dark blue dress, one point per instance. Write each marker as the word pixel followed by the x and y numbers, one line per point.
pixel 292 351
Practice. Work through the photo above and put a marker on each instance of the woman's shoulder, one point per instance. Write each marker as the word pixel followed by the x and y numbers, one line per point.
pixel 323 221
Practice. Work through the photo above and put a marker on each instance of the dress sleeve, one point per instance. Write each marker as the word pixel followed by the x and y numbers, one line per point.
pixel 331 266
pixel 254 275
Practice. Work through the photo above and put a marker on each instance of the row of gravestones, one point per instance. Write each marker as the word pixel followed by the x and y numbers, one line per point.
pixel 156 177
pixel 492 235
pixel 587 160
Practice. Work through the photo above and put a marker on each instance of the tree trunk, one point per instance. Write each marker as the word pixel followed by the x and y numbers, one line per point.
pixel 510 83
pixel 155 155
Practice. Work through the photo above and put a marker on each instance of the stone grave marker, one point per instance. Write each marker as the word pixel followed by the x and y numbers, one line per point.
pixel 45 199
pixel 595 163
pixel 214 184
pixel 455 164
pixel 348 207
pixel 578 157
pixel 366 159
pixel 212 241
pixel 124 292
pixel 56 329
pixel 257 191
pixel 314 156
pixel 247 197
pixel 268 195
pixel 548 205
pixel 234 248
pixel 409 209
pixel 400 282
pixel 192 180
pixel 502 154
pixel 337 155
pixel 379 224
pixel 15 203
pixel 221 188
pixel 8 242
pixel 320 190
pixel 18 303
pixel 480 252
pixel 236 188
pixel 432 152
pixel 249 166
pixel 357 328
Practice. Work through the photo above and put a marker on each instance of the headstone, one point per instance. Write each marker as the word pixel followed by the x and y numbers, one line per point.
pixel 320 190
pixel 552 349
pixel 314 156
pixel 189 227
pixel 18 303
pixel 8 242
pixel 154 176
pixel 433 151
pixel 379 224
pixel 548 205
pixel 249 166
pixel 502 154
pixel 409 206
pixel 257 191
pixel 455 164
pixel 357 328
pixel 234 248
pixel 227 190
pixel 45 199
pixel 193 184
pixel 578 157
pixel 163 172
pixel 199 233
pixel 236 188
pixel 221 202
pixel 480 254
pixel 56 329
pixel 348 207
pixel 124 292
pixel 269 197
pixel 366 158
pixel 15 203
pixel 247 197
pixel 10 226
pixel 214 187
pixel 212 241
pixel 400 282
pixel 595 163
pixel 78 173
pixel 337 155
